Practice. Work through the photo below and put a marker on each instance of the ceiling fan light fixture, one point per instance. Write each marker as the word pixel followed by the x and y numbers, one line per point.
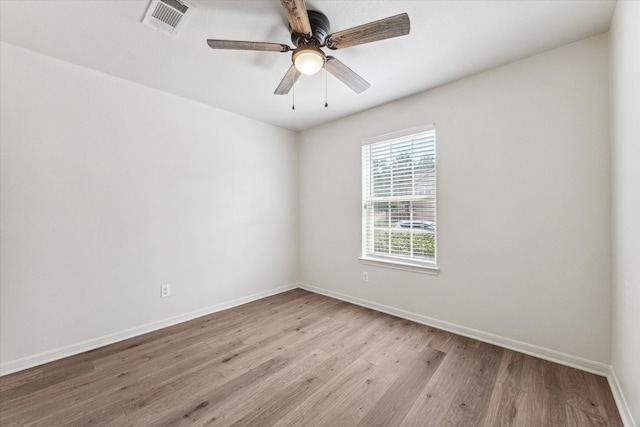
pixel 310 32
pixel 308 59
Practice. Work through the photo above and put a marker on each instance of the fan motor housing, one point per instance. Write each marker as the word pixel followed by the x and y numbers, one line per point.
pixel 320 28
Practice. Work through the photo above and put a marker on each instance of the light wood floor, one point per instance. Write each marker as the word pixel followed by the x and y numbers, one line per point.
pixel 302 359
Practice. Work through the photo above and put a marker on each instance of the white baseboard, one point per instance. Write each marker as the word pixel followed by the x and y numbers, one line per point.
pixel 621 402
pixel 56 354
pixel 522 347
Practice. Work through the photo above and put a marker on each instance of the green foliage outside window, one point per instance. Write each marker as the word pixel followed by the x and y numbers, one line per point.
pixel 424 244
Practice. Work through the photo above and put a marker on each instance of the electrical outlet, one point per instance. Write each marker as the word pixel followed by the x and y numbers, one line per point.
pixel 165 291
pixel 365 276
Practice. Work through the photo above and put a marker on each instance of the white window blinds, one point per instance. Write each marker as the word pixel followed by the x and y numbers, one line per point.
pixel 399 195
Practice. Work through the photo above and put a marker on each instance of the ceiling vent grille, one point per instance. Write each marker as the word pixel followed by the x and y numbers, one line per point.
pixel 167 16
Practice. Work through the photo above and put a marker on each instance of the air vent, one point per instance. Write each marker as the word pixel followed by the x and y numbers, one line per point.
pixel 167 16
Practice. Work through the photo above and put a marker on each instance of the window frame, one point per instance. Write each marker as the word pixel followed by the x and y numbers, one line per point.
pixel 395 261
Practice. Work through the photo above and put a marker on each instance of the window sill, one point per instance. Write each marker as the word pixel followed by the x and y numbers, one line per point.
pixel 399 265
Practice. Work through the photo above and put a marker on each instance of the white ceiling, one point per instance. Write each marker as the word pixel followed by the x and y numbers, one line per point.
pixel 448 40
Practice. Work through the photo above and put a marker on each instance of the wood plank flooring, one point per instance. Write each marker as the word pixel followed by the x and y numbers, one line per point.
pixel 302 359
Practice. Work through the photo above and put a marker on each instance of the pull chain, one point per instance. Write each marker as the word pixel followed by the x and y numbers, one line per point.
pixel 293 97
pixel 326 101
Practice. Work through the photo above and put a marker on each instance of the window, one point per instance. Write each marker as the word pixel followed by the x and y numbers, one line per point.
pixel 399 199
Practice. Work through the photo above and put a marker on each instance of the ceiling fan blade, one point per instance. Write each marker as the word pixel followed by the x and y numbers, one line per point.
pixel 386 28
pixel 240 45
pixel 346 75
pixel 288 81
pixel 297 16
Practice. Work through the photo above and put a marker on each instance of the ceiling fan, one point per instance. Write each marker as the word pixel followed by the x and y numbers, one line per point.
pixel 310 33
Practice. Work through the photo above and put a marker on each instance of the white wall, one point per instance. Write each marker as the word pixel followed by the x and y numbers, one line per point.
pixel 625 156
pixel 110 189
pixel 523 203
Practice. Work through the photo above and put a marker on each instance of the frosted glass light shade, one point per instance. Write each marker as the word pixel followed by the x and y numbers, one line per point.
pixel 308 61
